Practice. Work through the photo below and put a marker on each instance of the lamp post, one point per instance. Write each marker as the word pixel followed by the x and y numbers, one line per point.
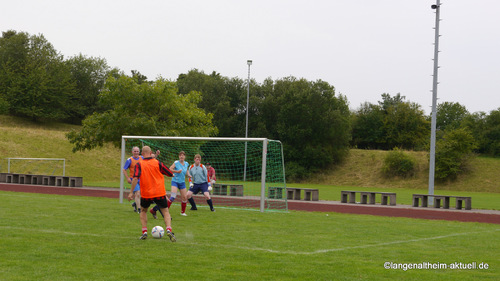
pixel 249 62
pixel 432 156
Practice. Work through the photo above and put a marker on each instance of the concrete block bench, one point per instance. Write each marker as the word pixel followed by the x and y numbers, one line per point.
pixel 368 197
pixel 236 190
pixel 219 189
pixel 444 200
pixel 222 189
pixel 275 192
pixel 294 193
pixel 41 180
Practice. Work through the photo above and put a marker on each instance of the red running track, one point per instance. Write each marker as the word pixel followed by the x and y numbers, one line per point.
pixel 483 216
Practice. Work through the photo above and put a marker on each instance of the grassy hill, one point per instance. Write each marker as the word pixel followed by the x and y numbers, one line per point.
pixel 363 168
pixel 101 167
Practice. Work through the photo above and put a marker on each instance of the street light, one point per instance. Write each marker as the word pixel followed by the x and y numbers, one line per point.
pixel 249 62
pixel 432 157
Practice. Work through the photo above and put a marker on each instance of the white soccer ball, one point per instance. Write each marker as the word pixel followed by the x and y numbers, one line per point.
pixel 158 232
pixel 209 188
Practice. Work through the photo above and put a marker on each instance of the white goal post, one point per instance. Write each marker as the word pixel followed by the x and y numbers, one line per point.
pixel 222 149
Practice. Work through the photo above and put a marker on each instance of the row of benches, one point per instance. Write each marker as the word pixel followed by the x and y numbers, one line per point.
pixel 292 193
pixel 444 199
pixel 368 197
pixel 41 180
pixel 234 189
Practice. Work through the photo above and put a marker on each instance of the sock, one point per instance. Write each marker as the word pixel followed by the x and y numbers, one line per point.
pixel 169 228
pixel 173 195
pixel 155 208
pixel 191 201
pixel 183 206
pixel 144 230
pixel 169 203
pixel 209 201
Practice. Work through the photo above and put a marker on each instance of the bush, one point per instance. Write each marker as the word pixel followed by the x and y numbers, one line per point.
pixel 398 164
pixel 4 106
pixel 453 154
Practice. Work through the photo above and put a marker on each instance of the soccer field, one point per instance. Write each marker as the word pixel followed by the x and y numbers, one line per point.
pixel 55 237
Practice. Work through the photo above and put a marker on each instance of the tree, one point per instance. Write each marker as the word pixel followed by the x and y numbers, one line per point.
pixel 221 96
pixel 312 123
pixel 450 115
pixel 405 126
pixel 453 153
pixel 89 74
pixel 491 133
pixel 149 109
pixel 34 79
pixel 392 123
pixel 368 127
pixel 138 77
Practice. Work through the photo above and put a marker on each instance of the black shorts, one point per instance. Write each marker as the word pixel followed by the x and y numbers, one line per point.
pixel 160 201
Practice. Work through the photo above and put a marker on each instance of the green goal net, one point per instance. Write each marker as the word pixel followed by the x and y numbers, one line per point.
pixel 249 171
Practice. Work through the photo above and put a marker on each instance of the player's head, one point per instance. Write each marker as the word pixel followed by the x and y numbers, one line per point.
pixel 197 159
pixel 207 164
pixel 146 151
pixel 135 151
pixel 182 155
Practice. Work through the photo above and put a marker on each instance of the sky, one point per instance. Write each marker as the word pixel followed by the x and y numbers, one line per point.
pixel 363 48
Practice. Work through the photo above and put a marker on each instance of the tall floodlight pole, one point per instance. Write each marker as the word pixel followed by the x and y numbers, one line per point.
pixel 432 161
pixel 249 62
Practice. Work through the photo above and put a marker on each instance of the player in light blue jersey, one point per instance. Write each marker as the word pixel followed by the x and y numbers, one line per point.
pixel 198 178
pixel 179 168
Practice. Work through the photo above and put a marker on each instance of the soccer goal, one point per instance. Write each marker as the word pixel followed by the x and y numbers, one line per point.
pixel 37 166
pixel 250 172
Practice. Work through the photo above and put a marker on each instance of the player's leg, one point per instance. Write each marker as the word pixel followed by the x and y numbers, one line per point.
pixel 183 191
pixel 144 217
pixel 153 211
pixel 134 204
pixel 204 188
pixel 173 192
pixel 137 198
pixel 162 203
pixel 191 200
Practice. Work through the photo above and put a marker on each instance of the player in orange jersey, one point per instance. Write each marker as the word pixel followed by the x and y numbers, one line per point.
pixel 151 173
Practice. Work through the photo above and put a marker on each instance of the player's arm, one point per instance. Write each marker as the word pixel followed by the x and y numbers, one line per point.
pixel 190 177
pixel 136 176
pixel 125 168
pixel 131 193
pixel 205 171
pixel 172 168
pixel 126 176
pixel 165 170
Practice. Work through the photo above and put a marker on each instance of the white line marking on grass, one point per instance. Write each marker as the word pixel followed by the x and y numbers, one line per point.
pixel 56 198
pixel 337 249
pixel 322 251
pixel 62 232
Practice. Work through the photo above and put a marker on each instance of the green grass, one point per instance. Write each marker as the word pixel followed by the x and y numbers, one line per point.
pixel 53 237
